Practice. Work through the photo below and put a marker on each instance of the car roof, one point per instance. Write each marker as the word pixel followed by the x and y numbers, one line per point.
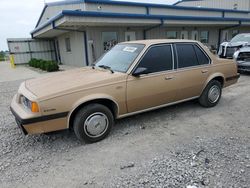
pixel 160 41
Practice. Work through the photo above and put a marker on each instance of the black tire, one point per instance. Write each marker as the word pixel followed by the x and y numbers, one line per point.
pixel 89 111
pixel 204 99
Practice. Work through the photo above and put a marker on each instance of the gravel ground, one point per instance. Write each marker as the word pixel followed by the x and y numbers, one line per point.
pixel 179 146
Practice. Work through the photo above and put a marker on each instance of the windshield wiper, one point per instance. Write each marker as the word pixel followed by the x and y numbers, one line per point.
pixel 106 67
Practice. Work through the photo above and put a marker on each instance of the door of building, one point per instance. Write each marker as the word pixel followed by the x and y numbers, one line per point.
pixel 58 56
pixel 184 34
pixel 130 36
pixel 225 36
pixel 195 35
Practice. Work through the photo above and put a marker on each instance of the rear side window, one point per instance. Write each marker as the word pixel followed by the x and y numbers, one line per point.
pixel 202 58
pixel 186 55
pixel 157 59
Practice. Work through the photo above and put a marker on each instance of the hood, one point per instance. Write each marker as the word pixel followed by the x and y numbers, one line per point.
pixel 245 49
pixel 58 84
pixel 234 44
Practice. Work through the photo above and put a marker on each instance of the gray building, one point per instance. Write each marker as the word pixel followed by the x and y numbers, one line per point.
pixel 225 4
pixel 83 30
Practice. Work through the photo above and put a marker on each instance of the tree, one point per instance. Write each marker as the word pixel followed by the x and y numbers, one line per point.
pixel 2 55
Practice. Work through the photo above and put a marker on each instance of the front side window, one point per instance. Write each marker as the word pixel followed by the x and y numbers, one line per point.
pixel 120 57
pixel 204 37
pixel 67 45
pixel 157 59
pixel 186 55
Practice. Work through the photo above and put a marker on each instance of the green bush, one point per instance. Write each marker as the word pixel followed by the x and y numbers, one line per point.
pixel 49 66
pixel 31 62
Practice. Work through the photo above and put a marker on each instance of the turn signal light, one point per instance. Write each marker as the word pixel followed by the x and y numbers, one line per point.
pixel 34 107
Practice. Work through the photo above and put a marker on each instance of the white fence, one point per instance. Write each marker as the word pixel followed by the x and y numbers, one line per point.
pixel 25 49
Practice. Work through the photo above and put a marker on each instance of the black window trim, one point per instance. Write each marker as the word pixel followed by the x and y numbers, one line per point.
pixel 160 72
pixel 191 67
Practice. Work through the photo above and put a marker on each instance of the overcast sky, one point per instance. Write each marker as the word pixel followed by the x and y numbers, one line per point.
pixel 19 17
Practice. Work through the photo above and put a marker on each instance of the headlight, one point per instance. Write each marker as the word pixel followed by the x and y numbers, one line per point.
pixel 236 54
pixel 32 106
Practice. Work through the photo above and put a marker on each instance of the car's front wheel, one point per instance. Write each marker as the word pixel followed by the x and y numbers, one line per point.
pixel 211 94
pixel 93 123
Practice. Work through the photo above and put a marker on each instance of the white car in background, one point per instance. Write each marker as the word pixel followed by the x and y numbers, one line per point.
pixel 239 49
pixel 242 56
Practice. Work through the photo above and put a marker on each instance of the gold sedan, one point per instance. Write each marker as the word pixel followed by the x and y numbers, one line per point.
pixel 131 78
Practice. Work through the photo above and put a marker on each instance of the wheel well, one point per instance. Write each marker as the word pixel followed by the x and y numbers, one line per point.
pixel 106 102
pixel 219 79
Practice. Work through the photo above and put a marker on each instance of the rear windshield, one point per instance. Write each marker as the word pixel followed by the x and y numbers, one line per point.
pixel 120 57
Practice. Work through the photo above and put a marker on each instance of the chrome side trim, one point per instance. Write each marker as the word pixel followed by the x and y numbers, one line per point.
pixel 156 107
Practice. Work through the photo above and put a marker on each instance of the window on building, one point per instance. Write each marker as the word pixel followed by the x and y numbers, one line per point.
pixel 235 6
pixel 157 59
pixel 202 58
pixel 67 44
pixel 186 55
pixel 172 34
pixel 235 32
pixel 109 39
pixel 204 36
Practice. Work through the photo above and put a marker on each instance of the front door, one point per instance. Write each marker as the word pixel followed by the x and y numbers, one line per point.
pixel 193 70
pixel 184 34
pixel 130 36
pixel 158 85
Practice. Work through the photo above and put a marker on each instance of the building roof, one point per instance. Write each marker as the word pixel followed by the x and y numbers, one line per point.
pixel 137 16
pixel 74 13
pixel 180 1
pixel 130 3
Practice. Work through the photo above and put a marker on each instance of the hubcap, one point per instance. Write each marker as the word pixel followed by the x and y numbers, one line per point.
pixel 214 94
pixel 96 124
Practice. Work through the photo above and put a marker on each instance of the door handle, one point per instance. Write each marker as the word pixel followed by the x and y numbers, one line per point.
pixel 204 71
pixel 169 77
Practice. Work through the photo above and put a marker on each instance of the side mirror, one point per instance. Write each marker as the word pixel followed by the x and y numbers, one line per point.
pixel 139 71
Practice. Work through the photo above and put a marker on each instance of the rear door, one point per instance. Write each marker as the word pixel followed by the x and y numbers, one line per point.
pixel 157 86
pixel 193 69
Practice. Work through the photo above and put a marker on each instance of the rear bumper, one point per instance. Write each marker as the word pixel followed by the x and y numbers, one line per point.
pixel 233 78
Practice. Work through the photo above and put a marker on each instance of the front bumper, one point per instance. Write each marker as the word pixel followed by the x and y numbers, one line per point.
pixel 41 124
pixel 19 122
pixel 244 66
pixel 227 52
pixel 36 123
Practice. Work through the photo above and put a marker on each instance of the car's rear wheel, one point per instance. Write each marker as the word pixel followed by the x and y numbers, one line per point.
pixel 93 123
pixel 211 94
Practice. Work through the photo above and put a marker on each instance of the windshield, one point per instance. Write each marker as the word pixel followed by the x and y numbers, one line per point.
pixel 241 38
pixel 120 57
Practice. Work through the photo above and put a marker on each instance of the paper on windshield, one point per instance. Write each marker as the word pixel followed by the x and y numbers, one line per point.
pixel 130 49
